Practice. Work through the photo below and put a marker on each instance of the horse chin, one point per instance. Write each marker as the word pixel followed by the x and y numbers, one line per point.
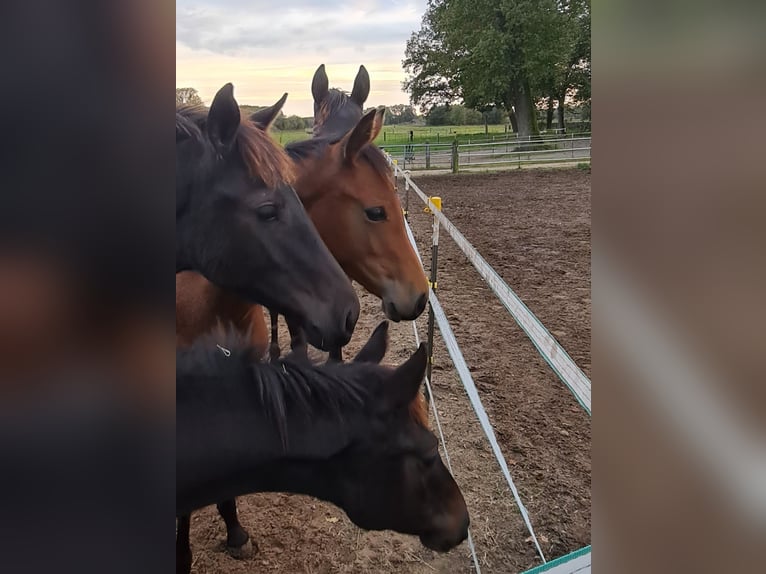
pixel 314 339
pixel 389 310
pixel 435 542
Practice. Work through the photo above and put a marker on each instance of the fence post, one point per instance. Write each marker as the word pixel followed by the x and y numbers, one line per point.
pixel 437 203
pixel 407 198
pixel 571 145
pixel 455 157
pixel 428 155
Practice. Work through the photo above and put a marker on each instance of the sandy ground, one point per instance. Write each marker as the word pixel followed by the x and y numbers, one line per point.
pixel 533 227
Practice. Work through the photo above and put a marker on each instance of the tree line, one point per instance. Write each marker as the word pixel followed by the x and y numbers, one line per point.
pixel 517 55
pixel 443 115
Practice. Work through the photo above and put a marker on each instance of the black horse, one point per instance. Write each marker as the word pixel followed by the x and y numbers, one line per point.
pixel 353 434
pixel 240 224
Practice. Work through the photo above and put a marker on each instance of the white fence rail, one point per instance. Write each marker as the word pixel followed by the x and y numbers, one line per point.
pixel 578 562
pixel 548 347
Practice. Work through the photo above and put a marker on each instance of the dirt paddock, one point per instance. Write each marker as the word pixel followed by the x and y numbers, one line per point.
pixel 533 227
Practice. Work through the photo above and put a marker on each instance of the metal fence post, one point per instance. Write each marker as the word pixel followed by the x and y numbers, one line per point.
pixel 455 157
pixel 428 155
pixel 437 203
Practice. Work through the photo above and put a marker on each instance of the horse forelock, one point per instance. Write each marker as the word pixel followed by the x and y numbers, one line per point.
pixel 336 114
pixel 189 119
pixel 263 157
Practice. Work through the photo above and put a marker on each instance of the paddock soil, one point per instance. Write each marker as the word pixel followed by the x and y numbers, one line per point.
pixel 533 227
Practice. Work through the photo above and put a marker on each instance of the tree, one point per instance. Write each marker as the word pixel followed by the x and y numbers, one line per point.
pixel 489 53
pixel 438 116
pixel 453 116
pixel 188 96
pixel 570 78
pixel 400 114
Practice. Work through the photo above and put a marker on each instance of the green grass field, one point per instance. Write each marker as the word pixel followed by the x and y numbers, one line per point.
pixel 393 135
pixel 400 135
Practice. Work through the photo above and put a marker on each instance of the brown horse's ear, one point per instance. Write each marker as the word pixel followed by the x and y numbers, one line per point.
pixel 375 348
pixel 379 120
pixel 320 85
pixel 362 134
pixel 223 119
pixel 265 117
pixel 404 384
pixel 361 86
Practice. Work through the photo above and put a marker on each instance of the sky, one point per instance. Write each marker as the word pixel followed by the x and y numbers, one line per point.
pixel 267 47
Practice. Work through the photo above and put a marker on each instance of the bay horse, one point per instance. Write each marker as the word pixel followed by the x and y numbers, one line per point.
pixel 381 256
pixel 240 224
pixel 351 434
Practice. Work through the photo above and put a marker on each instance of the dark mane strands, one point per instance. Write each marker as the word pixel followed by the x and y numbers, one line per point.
pixel 284 385
pixel 264 159
pixel 334 102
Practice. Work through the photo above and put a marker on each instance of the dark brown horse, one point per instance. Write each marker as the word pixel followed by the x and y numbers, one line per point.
pixel 353 434
pixel 240 224
pixel 336 112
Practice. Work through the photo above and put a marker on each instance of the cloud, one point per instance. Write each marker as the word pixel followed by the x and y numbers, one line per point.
pixel 269 43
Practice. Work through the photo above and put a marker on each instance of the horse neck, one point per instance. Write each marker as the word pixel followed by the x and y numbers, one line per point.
pixel 228 445
pixel 317 478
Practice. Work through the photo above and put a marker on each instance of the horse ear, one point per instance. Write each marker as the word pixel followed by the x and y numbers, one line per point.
pixel 404 384
pixel 320 85
pixel 265 117
pixel 375 348
pixel 361 86
pixel 362 134
pixel 379 120
pixel 223 118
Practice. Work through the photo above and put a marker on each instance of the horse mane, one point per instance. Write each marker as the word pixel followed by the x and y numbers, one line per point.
pixel 288 387
pixel 264 159
pixel 316 147
pixel 284 388
pixel 186 121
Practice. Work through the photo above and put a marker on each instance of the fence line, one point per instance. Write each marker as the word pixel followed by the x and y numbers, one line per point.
pixel 554 354
pixel 455 156
pixel 414 244
pixel 471 545
pixel 473 394
pixel 579 561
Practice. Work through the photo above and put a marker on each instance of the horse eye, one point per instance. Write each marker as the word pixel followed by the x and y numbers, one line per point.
pixel 376 213
pixel 267 212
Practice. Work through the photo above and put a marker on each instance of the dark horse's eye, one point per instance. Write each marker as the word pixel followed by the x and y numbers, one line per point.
pixel 376 213
pixel 267 212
